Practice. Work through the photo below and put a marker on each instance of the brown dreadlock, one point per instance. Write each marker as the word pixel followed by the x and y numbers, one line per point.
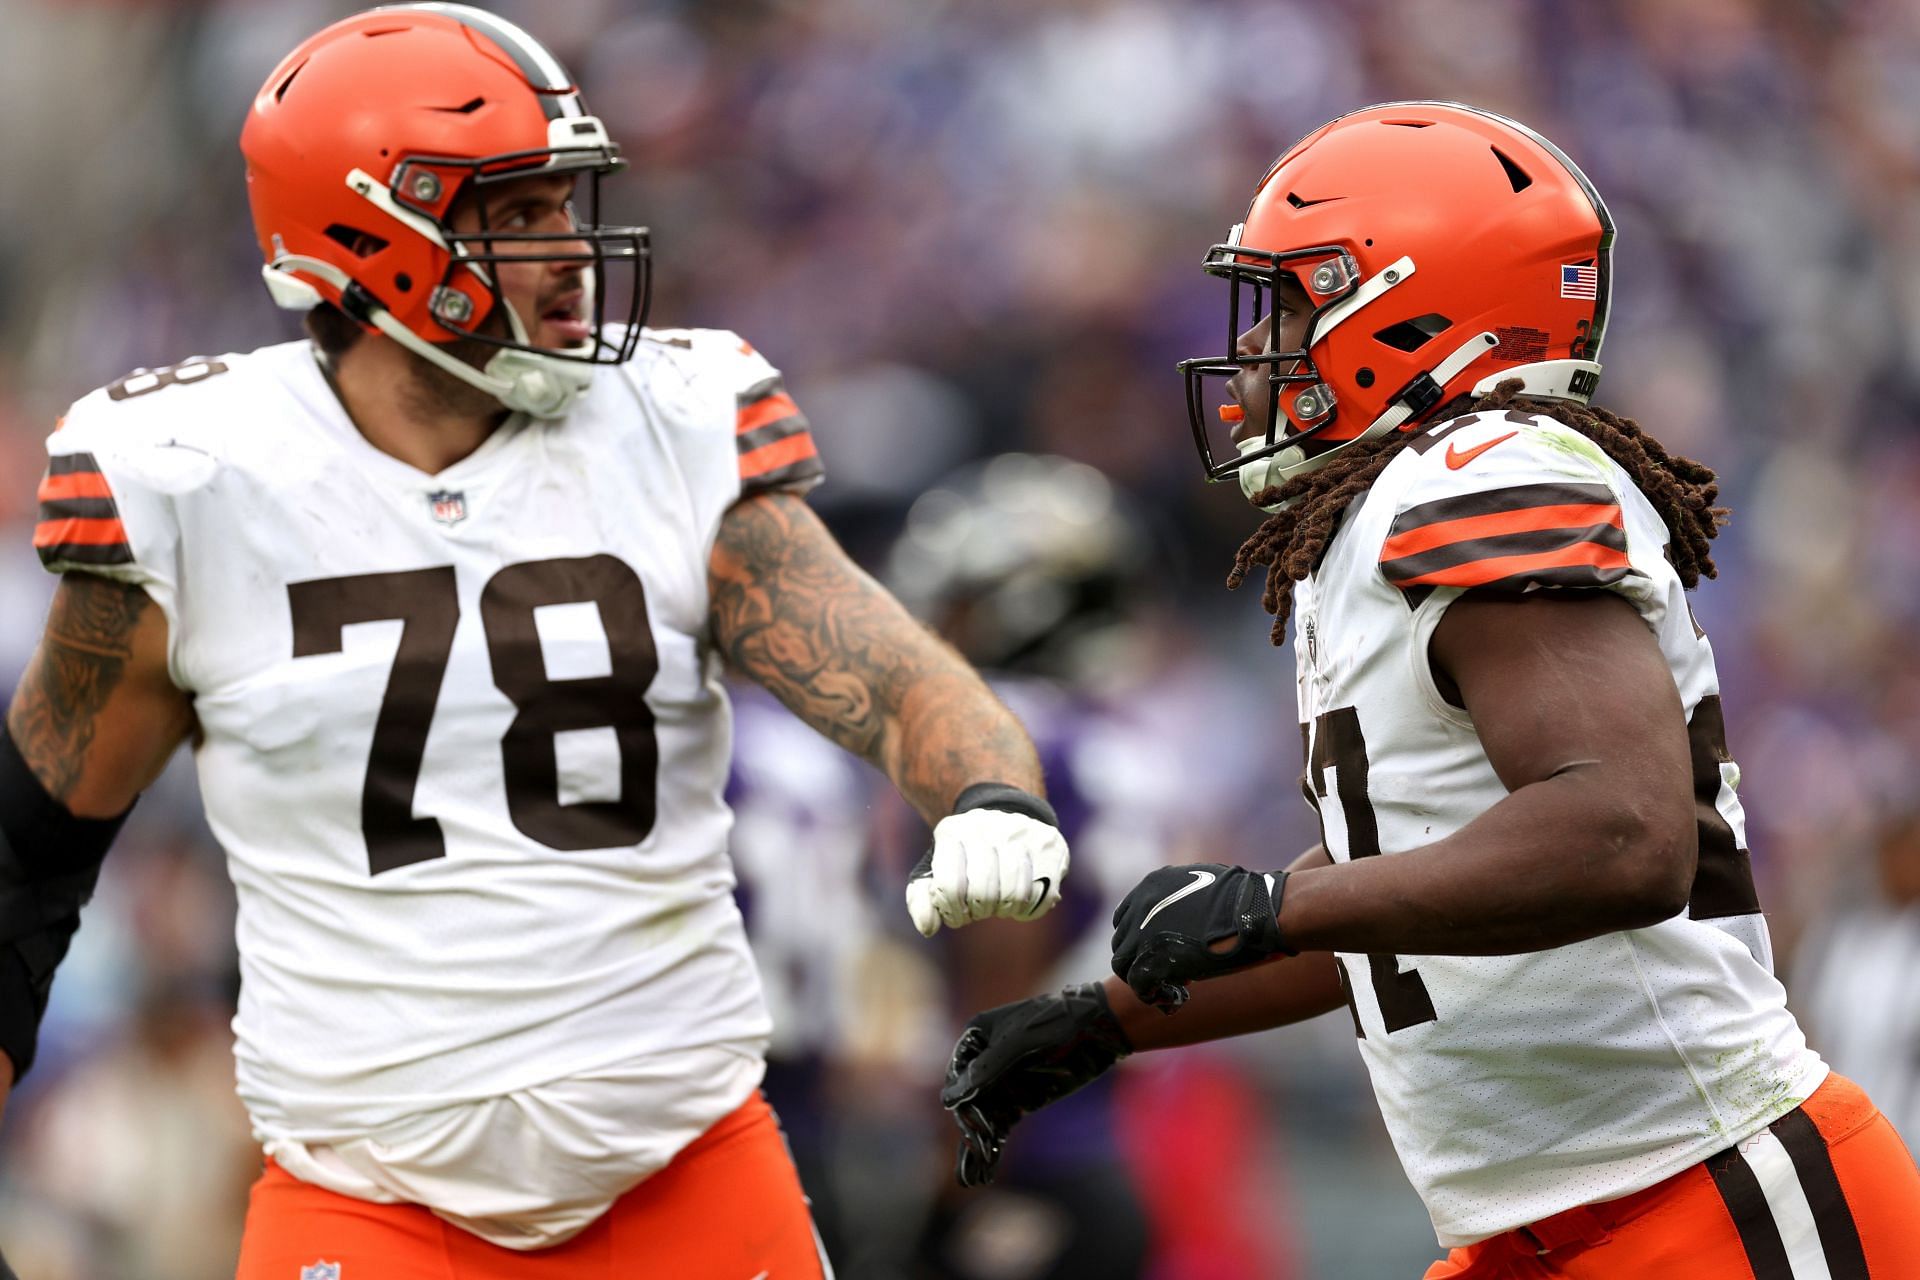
pixel 1290 542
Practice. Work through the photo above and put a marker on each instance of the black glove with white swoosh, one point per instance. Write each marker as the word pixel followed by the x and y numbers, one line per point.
pixel 1017 1058
pixel 1170 930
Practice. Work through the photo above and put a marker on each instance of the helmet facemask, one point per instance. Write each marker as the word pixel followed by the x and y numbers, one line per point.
pixel 615 264
pixel 1300 406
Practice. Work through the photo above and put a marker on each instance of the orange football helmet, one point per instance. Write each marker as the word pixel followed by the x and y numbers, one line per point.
pixel 1443 248
pixel 358 147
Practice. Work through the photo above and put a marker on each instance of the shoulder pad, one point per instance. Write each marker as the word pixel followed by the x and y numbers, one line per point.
pixel 1506 502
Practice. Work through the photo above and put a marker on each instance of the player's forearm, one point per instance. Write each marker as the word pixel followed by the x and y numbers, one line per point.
pixel 1278 994
pixel 1570 857
pixel 96 715
pixel 949 732
pixel 1271 995
pixel 794 614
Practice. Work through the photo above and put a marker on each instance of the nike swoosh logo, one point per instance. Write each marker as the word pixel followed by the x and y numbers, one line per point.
pixel 1201 879
pixel 1045 884
pixel 1456 459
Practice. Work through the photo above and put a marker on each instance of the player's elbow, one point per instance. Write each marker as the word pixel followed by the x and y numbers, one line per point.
pixel 1654 859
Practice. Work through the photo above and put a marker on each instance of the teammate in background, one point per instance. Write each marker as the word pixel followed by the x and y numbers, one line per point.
pixel 441 598
pixel 1533 890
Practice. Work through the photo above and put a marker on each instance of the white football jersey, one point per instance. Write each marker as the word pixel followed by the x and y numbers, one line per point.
pixel 1519 1086
pixel 464 740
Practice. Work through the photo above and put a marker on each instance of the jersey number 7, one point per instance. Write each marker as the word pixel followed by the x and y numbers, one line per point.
pixel 427 603
pixel 1335 743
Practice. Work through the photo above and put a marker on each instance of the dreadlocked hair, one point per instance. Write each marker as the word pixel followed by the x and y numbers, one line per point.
pixel 1289 543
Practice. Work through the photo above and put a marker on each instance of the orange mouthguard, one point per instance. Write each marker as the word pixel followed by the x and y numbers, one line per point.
pixel 1232 413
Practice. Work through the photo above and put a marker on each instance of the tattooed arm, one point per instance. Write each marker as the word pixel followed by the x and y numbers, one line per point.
pixel 793 613
pixel 97 715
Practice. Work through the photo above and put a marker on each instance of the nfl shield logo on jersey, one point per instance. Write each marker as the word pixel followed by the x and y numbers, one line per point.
pixel 321 1271
pixel 449 508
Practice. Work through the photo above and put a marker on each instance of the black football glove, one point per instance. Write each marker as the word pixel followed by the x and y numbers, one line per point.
pixel 1164 930
pixel 1017 1058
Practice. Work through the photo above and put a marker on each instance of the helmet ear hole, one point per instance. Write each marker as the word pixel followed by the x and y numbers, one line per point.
pixel 361 244
pixel 1411 335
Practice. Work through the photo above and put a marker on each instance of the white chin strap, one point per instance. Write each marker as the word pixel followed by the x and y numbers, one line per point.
pixel 524 381
pixel 1551 379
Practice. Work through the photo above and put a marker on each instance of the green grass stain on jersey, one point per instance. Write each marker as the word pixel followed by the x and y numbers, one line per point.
pixel 1751 1082
pixel 1566 440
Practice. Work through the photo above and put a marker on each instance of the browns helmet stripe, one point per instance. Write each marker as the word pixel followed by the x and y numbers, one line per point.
pixel 559 95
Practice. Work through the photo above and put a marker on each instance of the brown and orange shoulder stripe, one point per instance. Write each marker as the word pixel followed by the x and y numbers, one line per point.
pixel 79 520
pixel 1510 539
pixel 774 440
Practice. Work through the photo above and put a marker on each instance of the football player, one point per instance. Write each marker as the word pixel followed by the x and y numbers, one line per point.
pixel 441 598
pixel 1532 891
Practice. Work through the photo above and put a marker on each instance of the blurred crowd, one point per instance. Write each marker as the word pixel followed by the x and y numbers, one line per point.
pixel 964 227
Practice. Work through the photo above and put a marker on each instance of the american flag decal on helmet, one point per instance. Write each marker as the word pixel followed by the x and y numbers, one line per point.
pixel 774 441
pixel 79 520
pixel 1580 281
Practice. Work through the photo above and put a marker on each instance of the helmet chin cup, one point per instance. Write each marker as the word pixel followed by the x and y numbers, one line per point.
pixel 1264 473
pixel 533 384
pixel 528 382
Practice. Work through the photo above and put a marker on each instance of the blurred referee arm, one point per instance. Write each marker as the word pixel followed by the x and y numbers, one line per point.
pixel 93 722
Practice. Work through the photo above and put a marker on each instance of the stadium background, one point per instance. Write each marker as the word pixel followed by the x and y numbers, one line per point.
pixel 966 226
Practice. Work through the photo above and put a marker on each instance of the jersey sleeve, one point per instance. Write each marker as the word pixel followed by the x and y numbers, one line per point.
pixel 1514 504
pixel 106 500
pixel 770 435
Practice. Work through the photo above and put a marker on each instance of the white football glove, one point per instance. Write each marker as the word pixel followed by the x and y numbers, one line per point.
pixel 987 862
